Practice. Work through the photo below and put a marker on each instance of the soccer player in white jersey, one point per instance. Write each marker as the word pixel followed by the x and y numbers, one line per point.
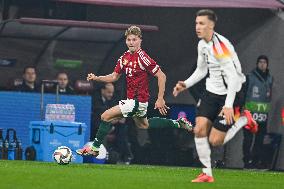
pixel 216 110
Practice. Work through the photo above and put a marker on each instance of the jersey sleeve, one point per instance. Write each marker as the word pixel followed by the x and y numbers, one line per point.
pixel 200 71
pixel 223 50
pixel 119 66
pixel 148 63
pixel 225 53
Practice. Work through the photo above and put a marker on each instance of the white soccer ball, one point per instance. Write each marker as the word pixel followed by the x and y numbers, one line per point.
pixel 63 155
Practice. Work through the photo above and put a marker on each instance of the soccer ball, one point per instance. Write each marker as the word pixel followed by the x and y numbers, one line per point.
pixel 63 155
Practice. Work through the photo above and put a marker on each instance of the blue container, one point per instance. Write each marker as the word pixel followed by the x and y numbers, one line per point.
pixel 92 159
pixel 46 136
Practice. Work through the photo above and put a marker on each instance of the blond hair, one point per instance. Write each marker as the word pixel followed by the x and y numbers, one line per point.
pixel 133 30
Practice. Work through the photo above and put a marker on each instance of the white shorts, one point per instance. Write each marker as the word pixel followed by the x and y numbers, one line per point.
pixel 133 108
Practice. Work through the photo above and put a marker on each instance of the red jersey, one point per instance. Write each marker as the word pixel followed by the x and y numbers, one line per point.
pixel 137 66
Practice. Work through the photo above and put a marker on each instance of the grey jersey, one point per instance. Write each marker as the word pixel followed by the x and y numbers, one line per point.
pixel 218 57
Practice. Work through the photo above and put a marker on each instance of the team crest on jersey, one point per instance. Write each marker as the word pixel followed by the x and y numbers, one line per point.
pixel 125 62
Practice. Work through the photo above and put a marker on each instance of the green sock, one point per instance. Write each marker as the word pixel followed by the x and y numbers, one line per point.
pixel 157 122
pixel 103 130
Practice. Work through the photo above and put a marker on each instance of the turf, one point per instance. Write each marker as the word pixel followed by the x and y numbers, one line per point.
pixel 29 175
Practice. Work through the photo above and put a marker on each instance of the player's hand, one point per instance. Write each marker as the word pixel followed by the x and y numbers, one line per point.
pixel 161 106
pixel 91 76
pixel 180 86
pixel 228 113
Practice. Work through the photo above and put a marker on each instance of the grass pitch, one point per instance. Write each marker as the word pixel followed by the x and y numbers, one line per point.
pixel 31 175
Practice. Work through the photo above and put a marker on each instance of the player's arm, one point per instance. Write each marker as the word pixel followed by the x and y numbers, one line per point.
pixel 229 68
pixel 113 77
pixel 160 103
pixel 233 81
pixel 160 75
pixel 199 73
pixel 232 84
pixel 151 66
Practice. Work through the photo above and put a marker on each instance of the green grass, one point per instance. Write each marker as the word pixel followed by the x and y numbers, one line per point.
pixel 29 175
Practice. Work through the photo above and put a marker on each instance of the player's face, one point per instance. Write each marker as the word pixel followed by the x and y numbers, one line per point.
pixel 30 75
pixel 62 80
pixel 204 27
pixel 262 65
pixel 133 43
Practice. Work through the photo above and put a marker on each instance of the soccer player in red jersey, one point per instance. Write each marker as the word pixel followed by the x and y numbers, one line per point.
pixel 137 66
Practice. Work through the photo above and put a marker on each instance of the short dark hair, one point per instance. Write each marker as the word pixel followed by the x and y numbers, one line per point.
pixel 28 67
pixel 264 57
pixel 209 13
pixel 106 84
pixel 61 72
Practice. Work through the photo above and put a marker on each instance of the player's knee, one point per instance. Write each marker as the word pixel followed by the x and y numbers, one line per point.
pixel 215 141
pixel 106 117
pixel 143 126
pixel 200 132
pixel 201 127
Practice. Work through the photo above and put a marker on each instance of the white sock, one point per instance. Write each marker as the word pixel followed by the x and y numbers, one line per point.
pixel 204 153
pixel 240 123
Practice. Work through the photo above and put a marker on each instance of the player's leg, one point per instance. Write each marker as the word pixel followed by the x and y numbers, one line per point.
pixel 181 123
pixel 208 109
pixel 246 121
pixel 243 119
pixel 104 127
pixel 201 131
pixel 154 123
pixel 157 122
pixel 141 122
pixel 216 137
pixel 139 113
pixel 222 133
pixel 125 108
